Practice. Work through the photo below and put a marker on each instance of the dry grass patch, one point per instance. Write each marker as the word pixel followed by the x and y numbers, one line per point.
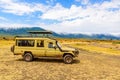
pixel 4 43
pixel 98 46
pixel 87 66
pixel 97 49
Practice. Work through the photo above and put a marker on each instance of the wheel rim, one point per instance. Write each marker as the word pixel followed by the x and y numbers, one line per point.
pixel 68 59
pixel 27 58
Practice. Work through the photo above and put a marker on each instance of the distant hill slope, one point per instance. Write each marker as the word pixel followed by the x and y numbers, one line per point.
pixel 23 31
pixel 18 31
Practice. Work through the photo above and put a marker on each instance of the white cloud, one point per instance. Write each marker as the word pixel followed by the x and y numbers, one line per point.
pixel 83 26
pixel 95 18
pixel 50 2
pixel 19 8
pixel 60 13
pixel 83 1
pixel 14 25
pixel 112 4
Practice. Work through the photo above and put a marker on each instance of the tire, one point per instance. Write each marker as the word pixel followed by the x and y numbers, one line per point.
pixel 28 57
pixel 68 59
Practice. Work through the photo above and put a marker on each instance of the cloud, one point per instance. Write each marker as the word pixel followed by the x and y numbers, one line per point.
pixel 83 26
pixel 95 18
pixel 60 13
pixel 84 2
pixel 20 8
pixel 14 25
pixel 50 2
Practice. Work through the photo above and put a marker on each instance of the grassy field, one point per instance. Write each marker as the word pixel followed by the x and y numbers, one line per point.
pixel 105 47
pixel 98 60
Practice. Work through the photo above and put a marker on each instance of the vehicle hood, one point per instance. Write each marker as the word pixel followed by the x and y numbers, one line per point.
pixel 68 49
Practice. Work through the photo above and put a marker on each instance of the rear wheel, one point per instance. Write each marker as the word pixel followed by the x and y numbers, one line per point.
pixel 28 57
pixel 68 59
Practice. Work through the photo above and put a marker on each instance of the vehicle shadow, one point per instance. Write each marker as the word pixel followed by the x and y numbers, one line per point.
pixel 76 61
pixel 49 60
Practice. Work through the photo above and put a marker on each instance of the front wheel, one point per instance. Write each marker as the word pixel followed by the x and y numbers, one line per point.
pixel 28 57
pixel 68 59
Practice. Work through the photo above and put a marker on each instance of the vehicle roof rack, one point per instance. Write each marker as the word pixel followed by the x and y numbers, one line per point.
pixel 42 34
pixel 39 32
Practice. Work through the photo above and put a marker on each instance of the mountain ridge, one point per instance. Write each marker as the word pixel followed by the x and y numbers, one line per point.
pixel 23 31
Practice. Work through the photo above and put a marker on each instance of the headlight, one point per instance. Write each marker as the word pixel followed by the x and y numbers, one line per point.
pixel 76 52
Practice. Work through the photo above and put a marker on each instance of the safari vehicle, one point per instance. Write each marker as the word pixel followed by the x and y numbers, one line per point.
pixel 31 47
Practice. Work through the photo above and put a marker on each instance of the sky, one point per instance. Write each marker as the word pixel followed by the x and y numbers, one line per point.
pixel 62 16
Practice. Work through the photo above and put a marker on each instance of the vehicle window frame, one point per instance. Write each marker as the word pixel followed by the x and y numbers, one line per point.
pixel 41 44
pixel 25 43
pixel 50 45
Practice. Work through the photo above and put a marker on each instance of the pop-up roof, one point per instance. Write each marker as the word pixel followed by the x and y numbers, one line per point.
pixel 40 33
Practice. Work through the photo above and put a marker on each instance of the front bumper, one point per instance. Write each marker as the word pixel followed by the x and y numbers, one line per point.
pixel 76 53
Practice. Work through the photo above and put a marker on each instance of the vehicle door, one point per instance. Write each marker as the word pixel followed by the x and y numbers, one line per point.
pixel 40 48
pixel 51 51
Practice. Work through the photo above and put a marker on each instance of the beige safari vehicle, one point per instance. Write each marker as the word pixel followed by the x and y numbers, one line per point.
pixel 33 47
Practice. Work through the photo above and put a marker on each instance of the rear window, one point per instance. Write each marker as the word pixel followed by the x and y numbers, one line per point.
pixel 25 43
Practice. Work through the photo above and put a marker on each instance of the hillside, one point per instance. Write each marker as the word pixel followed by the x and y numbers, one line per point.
pixel 23 31
pixel 18 31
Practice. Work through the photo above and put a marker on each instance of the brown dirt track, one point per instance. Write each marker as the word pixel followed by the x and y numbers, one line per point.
pixel 87 66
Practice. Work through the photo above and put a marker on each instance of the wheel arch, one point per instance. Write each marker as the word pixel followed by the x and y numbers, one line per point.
pixel 27 52
pixel 68 54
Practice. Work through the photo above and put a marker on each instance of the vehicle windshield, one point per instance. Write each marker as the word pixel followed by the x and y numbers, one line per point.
pixel 58 44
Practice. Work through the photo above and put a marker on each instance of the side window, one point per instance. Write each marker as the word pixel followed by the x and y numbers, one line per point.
pixel 40 43
pixel 25 43
pixel 50 45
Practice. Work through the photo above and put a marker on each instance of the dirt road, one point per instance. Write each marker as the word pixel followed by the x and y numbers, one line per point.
pixel 88 66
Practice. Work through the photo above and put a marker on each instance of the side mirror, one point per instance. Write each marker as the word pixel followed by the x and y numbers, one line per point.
pixel 55 47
